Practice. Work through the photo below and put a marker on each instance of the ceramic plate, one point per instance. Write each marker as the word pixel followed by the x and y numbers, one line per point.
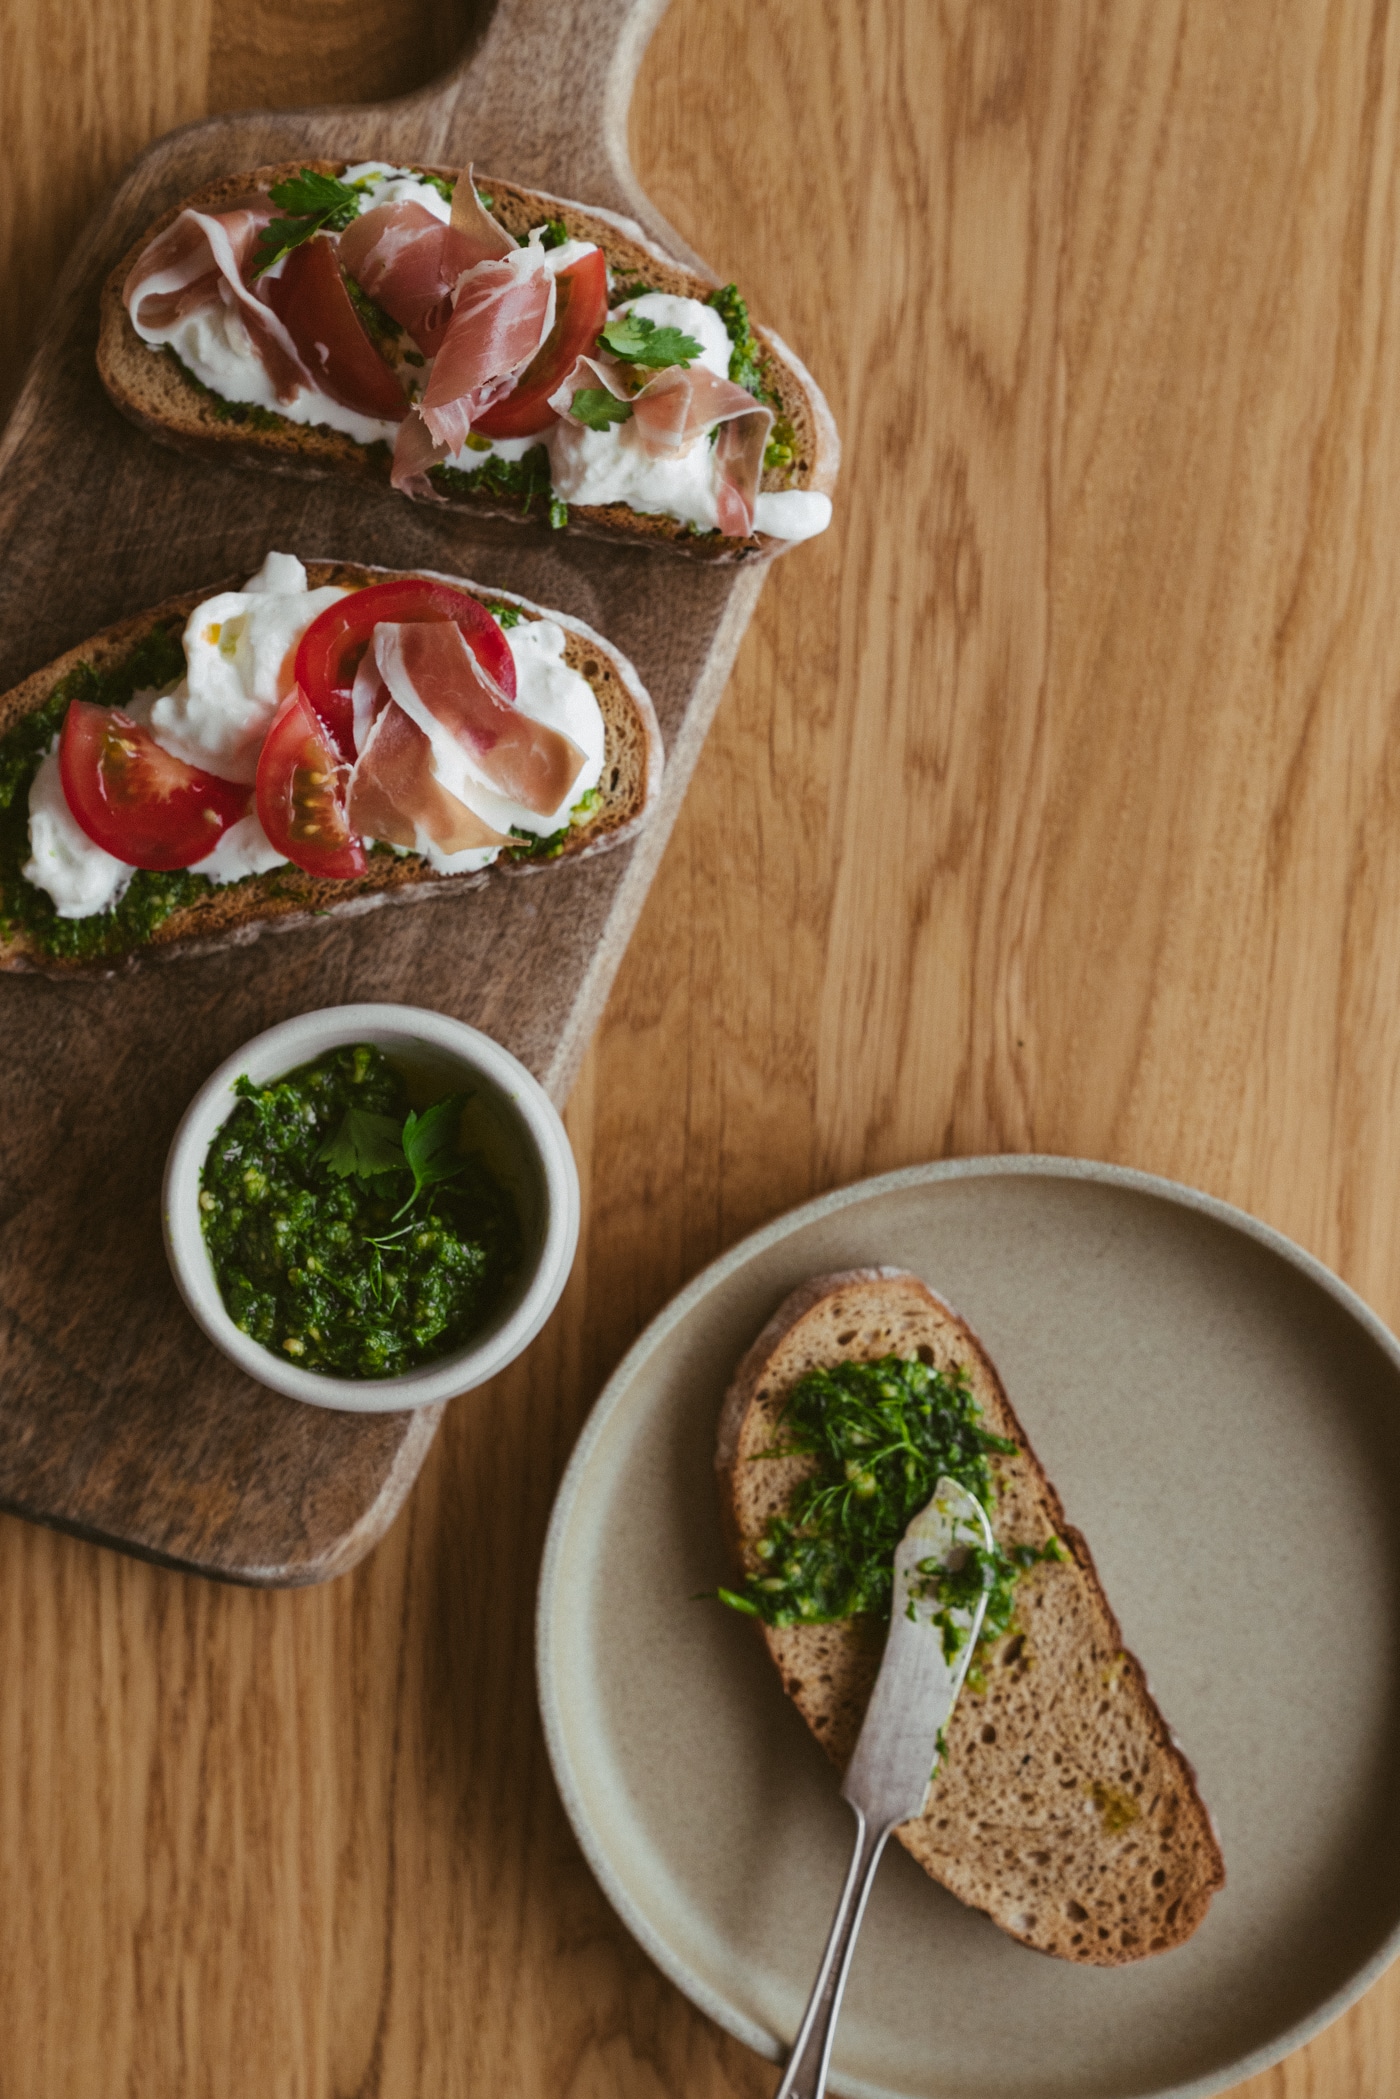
pixel 1222 1419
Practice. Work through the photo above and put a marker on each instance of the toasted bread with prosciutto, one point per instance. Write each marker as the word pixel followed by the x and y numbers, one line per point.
pixel 286 897
pixel 1063 1807
pixel 153 391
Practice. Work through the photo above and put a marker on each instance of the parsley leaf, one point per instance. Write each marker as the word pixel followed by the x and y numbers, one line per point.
pixel 633 337
pixel 597 408
pixel 430 1145
pixel 555 234
pixel 313 204
pixel 364 1144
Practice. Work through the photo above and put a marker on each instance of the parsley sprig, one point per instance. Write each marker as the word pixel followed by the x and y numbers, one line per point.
pixel 596 407
pixel 313 204
pixel 366 1144
pixel 637 340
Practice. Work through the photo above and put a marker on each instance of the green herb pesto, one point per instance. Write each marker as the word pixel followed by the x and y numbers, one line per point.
pixel 379 326
pixel 881 1436
pixel 157 660
pixel 347 1232
pixel 251 415
pixel 533 847
pixel 745 366
pixel 527 477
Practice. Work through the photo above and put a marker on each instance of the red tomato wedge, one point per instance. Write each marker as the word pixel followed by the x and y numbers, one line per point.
pixel 301 793
pixel 310 300
pixel 136 800
pixel 329 652
pixel 580 314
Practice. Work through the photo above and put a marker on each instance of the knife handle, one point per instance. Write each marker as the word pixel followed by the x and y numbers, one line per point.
pixel 805 2077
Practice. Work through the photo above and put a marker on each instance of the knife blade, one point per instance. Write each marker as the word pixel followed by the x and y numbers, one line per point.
pixel 933 1633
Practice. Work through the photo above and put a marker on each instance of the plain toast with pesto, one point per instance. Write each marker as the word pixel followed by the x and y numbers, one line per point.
pixel 1062 1806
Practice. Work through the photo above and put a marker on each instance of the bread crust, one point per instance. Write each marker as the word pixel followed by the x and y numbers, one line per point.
pixel 286 898
pixel 1064 1807
pixel 154 394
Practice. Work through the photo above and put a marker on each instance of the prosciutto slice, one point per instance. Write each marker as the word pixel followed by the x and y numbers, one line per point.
pixel 676 407
pixel 199 261
pixel 409 262
pixel 395 795
pixel 414 453
pixel 436 680
pixel 488 241
pixel 502 312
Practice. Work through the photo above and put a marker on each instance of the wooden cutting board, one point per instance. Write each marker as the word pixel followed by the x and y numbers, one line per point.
pixel 117 1420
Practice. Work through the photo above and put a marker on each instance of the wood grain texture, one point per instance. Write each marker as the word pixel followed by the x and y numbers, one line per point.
pixel 1053 803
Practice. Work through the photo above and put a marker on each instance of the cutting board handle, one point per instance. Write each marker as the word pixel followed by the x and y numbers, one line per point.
pixel 544 96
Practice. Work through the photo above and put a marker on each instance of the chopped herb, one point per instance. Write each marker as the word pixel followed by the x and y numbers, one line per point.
pixel 313 204
pixel 533 847
pixel 555 234
pixel 486 203
pixel 595 407
pixel 638 340
pixel 558 514
pixel 526 478
pixel 781 449
pixel 881 1435
pixel 443 187
pixel 380 327
pixel 745 368
pixel 504 615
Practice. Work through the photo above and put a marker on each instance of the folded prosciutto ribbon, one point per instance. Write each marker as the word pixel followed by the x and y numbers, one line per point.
pixel 672 411
pixel 419 681
pixel 198 261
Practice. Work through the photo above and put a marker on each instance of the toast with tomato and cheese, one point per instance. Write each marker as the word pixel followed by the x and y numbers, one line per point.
pixel 475 344
pixel 1061 1803
pixel 321 740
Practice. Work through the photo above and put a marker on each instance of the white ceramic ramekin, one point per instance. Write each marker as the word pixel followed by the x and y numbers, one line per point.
pixel 529 1149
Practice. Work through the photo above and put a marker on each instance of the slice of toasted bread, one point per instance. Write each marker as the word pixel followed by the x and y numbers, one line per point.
pixel 285 898
pixel 155 392
pixel 1063 1806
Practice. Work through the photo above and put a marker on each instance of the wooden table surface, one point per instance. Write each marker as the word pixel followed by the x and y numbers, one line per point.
pixel 1053 806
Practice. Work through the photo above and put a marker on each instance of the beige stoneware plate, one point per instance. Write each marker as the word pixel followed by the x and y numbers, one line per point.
pixel 1222 1418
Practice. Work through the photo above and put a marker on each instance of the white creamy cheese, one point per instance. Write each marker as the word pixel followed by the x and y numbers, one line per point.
pixel 214 344
pixel 238 647
pixel 791 513
pixel 549 692
pixel 244 849
pixel 79 876
pixel 386 184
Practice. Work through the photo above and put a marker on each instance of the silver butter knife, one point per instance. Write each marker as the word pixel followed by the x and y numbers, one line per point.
pixel 895 1756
